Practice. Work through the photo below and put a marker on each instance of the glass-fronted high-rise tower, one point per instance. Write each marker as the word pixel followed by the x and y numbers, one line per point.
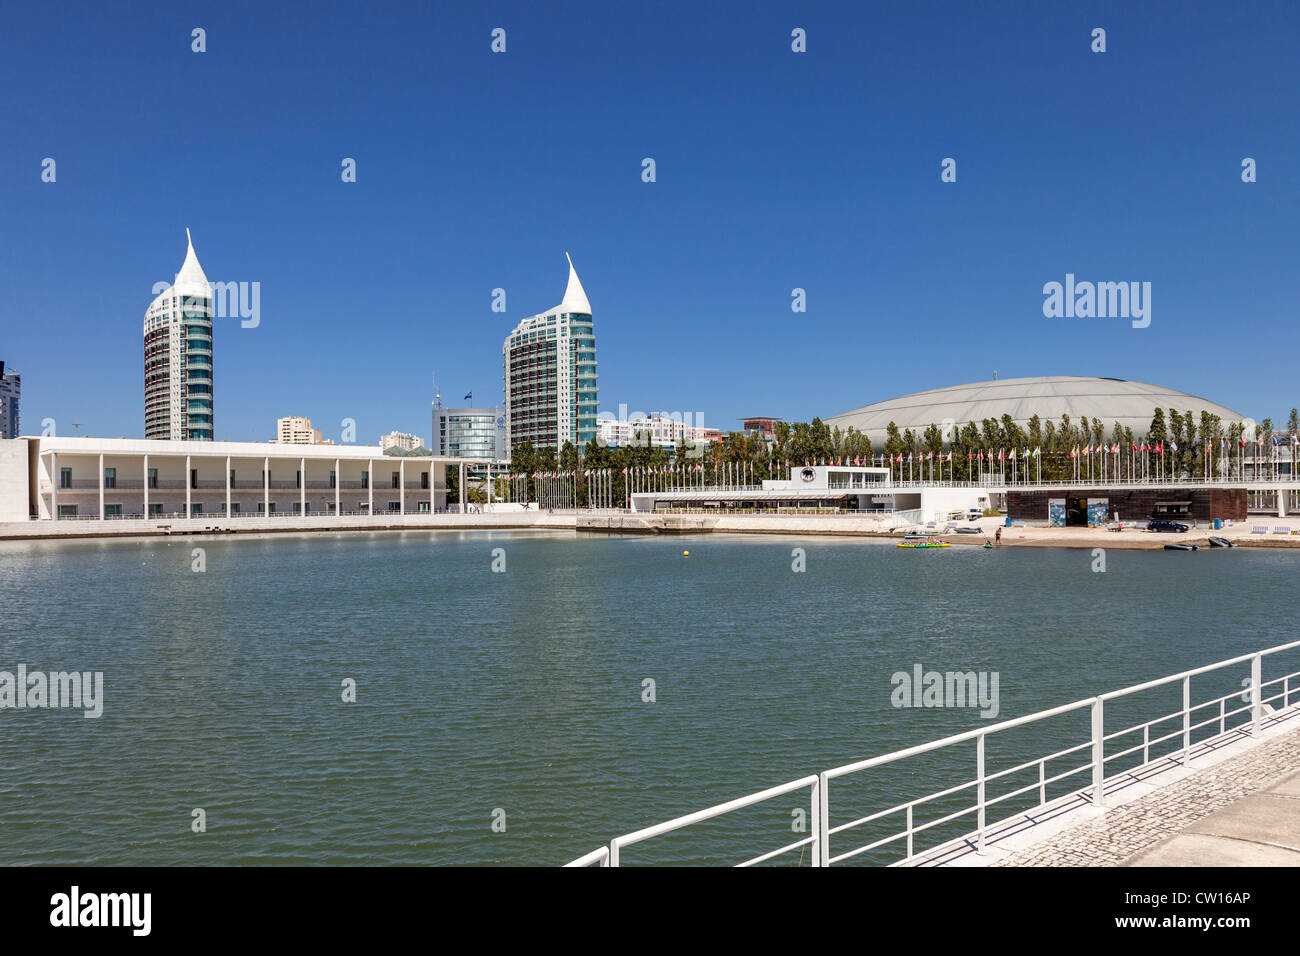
pixel 178 357
pixel 549 367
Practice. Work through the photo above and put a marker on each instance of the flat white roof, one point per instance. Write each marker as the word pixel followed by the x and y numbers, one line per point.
pixel 82 445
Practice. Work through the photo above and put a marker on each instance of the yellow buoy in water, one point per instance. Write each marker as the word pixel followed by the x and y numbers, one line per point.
pixel 686 554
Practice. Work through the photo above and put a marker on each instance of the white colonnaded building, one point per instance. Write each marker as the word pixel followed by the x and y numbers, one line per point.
pixel 66 478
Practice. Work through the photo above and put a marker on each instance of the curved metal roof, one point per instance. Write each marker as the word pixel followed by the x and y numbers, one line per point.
pixel 1109 399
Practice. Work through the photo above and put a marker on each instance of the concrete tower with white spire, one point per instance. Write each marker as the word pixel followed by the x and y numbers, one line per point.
pixel 549 368
pixel 178 357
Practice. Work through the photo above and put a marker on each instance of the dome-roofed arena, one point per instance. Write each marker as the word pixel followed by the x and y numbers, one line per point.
pixel 1109 400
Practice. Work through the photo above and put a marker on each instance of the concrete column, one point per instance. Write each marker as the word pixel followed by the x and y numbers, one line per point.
pixel 227 486
pixel 462 487
pixel 338 487
pixel 266 487
pixel 401 486
pixel 370 484
pixel 54 485
pixel 433 484
pixel 189 510
pixel 146 485
pixel 302 486
pixel 101 486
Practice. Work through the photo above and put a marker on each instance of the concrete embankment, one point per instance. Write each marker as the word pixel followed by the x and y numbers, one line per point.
pixel 214 524
pixel 841 525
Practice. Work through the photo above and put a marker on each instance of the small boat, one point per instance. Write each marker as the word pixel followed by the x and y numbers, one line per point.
pixel 923 543
pixel 1222 543
pixel 1181 547
pixel 969 530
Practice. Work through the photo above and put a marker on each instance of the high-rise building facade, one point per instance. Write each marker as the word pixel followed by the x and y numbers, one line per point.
pixel 296 430
pixel 178 357
pixel 10 392
pixel 549 367
pixel 469 432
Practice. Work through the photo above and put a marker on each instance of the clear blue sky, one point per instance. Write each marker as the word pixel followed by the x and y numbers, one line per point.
pixel 775 170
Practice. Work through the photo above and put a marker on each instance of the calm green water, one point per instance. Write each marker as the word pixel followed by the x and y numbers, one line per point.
pixel 522 690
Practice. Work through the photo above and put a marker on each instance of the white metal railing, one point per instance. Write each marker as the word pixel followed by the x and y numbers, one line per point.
pixel 1257 710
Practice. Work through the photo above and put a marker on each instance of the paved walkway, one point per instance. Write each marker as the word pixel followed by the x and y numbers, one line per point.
pixel 1244 811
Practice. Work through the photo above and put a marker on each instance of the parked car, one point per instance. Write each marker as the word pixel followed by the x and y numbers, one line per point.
pixel 974 514
pixel 1164 524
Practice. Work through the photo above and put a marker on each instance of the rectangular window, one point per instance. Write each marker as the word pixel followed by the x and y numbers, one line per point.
pixel 394 506
pixel 234 507
pixel 67 511
pixel 424 479
pixel 333 479
pixel 194 477
pixel 153 477
pixel 112 511
pixel 65 479
pixel 297 479
pixel 423 507
pixel 397 479
pixel 155 509
pixel 196 509
pixel 297 507
pixel 365 479
pixel 110 477
pixel 232 477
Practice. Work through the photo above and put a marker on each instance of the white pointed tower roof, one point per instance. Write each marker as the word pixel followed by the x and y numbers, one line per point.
pixel 191 280
pixel 575 299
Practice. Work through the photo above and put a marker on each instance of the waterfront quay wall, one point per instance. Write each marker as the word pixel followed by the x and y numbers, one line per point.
pixel 250 524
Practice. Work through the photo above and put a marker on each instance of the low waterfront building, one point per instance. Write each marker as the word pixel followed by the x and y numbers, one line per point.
pixel 404 441
pixel 81 477
pixel 469 433
pixel 10 392
pixel 859 489
pixel 296 431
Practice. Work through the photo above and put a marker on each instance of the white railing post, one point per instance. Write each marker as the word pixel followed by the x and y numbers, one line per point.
pixel 1042 782
pixel 613 853
pixel 1257 694
pixel 816 822
pixel 1098 752
pixel 824 819
pixel 979 773
pixel 1187 719
pixel 910 850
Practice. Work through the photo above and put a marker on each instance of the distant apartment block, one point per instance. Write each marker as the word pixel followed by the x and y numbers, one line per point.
pixel 296 431
pixel 10 389
pixel 403 440
pixel 655 429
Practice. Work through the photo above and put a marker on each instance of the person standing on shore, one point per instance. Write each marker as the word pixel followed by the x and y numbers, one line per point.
pixel 997 536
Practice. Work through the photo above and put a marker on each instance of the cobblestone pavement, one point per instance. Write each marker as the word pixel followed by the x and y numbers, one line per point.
pixel 1134 827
